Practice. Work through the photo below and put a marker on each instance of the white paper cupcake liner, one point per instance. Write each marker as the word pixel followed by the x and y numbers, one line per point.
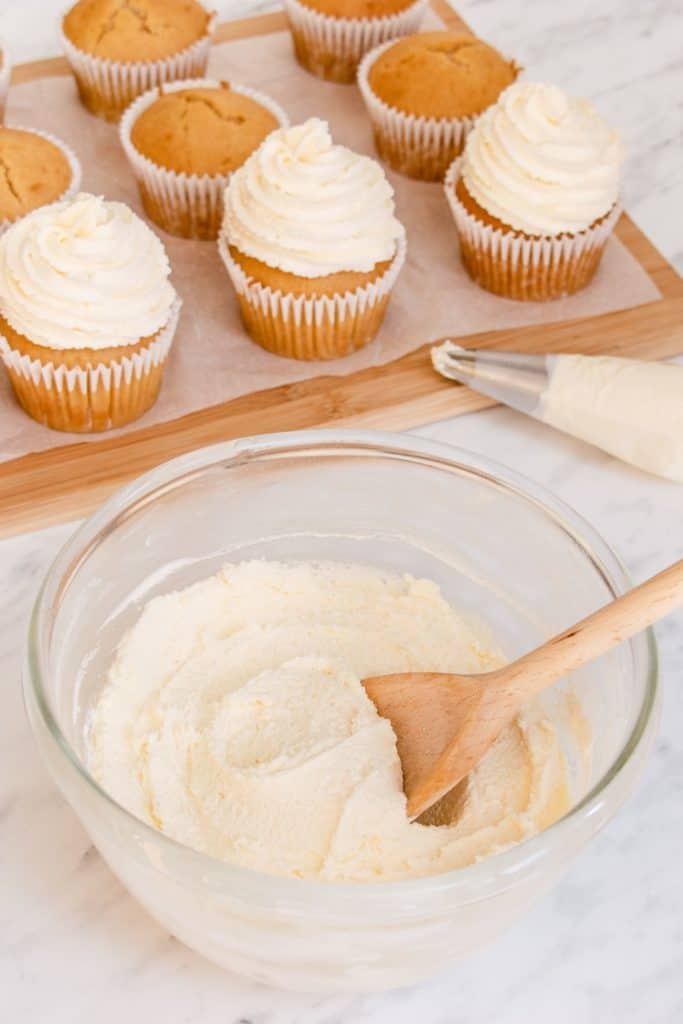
pixel 74 166
pixel 414 145
pixel 53 376
pixel 5 73
pixel 190 205
pixel 107 87
pixel 519 267
pixel 332 47
pixel 311 327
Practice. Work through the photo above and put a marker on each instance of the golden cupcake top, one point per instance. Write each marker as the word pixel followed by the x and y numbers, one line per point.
pixel 124 31
pixel 339 282
pixel 440 74
pixel 33 171
pixel 357 8
pixel 202 130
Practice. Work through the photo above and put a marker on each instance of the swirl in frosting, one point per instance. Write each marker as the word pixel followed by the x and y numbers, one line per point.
pixel 309 207
pixel 84 273
pixel 235 721
pixel 542 162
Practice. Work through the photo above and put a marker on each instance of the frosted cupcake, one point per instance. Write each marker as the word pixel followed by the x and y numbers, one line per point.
pixel 87 313
pixel 331 36
pixel 424 94
pixel 535 194
pixel 37 169
pixel 311 244
pixel 183 141
pixel 118 50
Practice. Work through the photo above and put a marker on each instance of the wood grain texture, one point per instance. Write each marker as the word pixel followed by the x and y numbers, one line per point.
pixel 68 482
pixel 445 723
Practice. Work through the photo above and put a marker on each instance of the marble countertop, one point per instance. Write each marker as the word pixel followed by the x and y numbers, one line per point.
pixel 606 946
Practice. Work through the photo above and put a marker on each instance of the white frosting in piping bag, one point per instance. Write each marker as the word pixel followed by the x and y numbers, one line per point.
pixel 542 162
pixel 234 720
pixel 304 205
pixel 84 273
pixel 627 407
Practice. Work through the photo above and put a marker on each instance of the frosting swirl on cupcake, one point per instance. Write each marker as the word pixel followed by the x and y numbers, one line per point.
pixel 542 162
pixel 309 207
pixel 84 273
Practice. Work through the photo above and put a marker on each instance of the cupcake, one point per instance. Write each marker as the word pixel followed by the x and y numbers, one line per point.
pixel 37 169
pixel 184 140
pixel 5 72
pixel 423 95
pixel 311 244
pixel 535 194
pixel 118 50
pixel 331 36
pixel 87 313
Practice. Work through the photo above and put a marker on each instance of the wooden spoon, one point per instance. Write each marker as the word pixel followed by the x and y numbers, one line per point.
pixel 445 723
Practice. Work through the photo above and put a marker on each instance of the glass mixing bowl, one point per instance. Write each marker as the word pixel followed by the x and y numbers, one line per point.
pixel 502 549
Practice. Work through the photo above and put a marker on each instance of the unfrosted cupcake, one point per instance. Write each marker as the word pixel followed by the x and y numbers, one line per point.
pixel 311 244
pixel 535 195
pixel 185 139
pixel 5 73
pixel 424 93
pixel 118 49
pixel 331 36
pixel 87 313
pixel 37 169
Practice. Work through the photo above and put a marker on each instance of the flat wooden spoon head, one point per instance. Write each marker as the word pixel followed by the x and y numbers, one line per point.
pixel 444 724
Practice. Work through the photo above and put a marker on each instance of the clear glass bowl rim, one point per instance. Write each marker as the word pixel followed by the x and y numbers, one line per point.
pixel 313 896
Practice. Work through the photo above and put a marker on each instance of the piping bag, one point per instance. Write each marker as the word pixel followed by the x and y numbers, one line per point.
pixel 629 408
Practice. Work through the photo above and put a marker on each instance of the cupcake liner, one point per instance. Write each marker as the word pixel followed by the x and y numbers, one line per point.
pixel 74 165
pixel 189 205
pixel 312 327
pixel 93 397
pixel 417 146
pixel 5 73
pixel 414 145
pixel 107 87
pixel 332 47
pixel 519 267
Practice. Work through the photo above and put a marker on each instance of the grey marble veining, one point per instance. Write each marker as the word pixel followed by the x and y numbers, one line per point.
pixel 606 946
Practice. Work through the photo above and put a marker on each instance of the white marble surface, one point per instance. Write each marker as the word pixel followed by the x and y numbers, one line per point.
pixel 606 946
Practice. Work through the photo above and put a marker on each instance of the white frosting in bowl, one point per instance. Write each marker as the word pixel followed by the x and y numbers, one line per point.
pixel 304 205
pixel 234 719
pixel 542 162
pixel 84 273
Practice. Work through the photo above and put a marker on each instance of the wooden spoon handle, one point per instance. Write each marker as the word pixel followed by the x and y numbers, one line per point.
pixel 595 635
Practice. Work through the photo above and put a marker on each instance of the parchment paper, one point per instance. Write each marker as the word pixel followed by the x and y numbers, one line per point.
pixel 213 359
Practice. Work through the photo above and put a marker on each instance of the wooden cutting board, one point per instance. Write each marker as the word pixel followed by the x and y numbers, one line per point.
pixel 64 483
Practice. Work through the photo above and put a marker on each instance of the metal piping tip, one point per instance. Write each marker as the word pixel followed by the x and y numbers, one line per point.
pixel 513 378
pixel 445 357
